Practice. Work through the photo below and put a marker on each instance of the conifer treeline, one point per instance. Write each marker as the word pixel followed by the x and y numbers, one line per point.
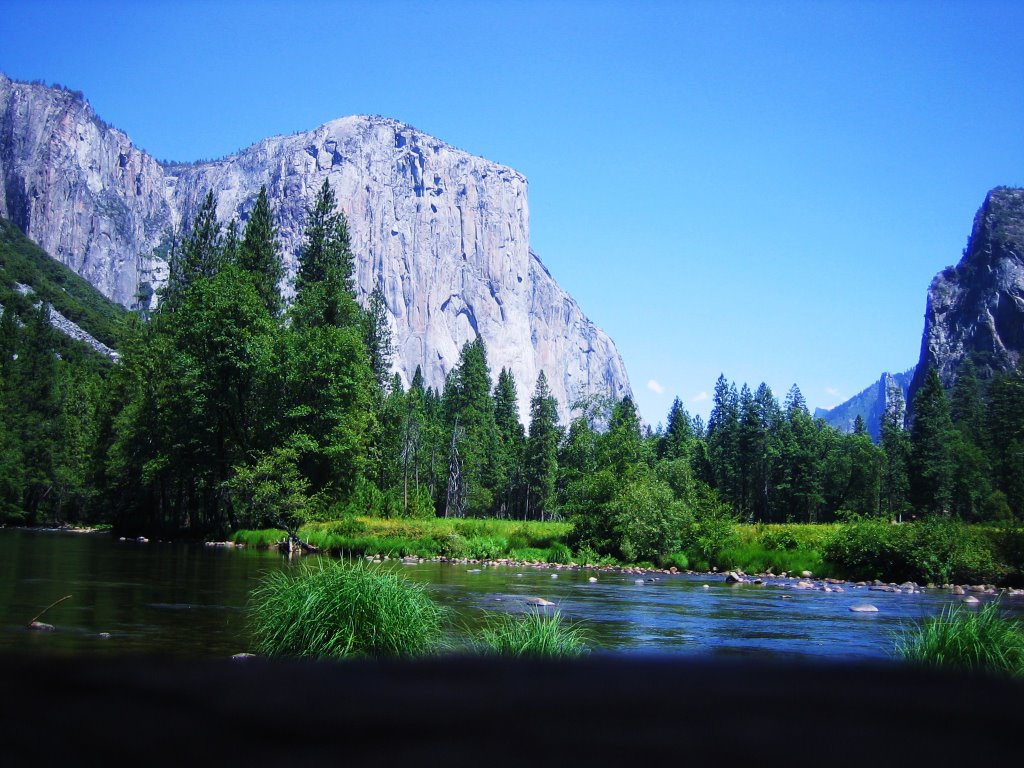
pixel 233 408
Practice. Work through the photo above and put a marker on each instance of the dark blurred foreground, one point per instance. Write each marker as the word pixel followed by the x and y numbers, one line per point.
pixel 485 712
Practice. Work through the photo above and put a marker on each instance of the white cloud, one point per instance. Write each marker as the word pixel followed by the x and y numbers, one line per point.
pixel 655 387
pixel 832 391
pixel 700 397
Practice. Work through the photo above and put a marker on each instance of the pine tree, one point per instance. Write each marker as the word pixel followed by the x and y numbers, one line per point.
pixel 377 335
pixel 678 438
pixel 802 459
pixel 259 254
pixel 541 464
pixel 722 441
pixel 199 257
pixel 468 404
pixel 931 436
pixel 511 443
pixel 324 284
pixel 896 447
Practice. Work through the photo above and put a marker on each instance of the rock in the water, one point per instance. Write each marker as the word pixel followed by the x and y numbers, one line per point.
pixel 41 626
pixel 538 601
pixel 592 579
pixel 971 600
pixel 731 577
pixel 243 656
pixel 863 608
pixel 444 232
pixel 957 590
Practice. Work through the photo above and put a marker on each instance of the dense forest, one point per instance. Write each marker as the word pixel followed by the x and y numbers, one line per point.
pixel 231 407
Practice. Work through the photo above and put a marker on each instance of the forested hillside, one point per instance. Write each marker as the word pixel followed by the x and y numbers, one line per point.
pixel 231 408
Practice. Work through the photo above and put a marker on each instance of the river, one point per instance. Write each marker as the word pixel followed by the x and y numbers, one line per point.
pixel 189 600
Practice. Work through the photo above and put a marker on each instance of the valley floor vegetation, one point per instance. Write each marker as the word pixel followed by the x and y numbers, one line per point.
pixel 233 411
pixel 342 609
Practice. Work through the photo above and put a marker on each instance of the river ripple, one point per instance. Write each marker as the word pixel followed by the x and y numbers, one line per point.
pixel 189 600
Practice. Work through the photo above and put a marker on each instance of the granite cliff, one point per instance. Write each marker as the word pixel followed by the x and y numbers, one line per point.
pixel 976 308
pixel 869 404
pixel 444 232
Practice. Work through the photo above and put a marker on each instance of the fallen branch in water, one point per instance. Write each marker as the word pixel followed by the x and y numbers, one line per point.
pixel 39 615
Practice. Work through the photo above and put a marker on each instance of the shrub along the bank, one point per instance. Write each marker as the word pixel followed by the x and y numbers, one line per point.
pixel 936 549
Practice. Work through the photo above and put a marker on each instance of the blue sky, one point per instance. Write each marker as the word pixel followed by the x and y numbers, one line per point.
pixel 759 189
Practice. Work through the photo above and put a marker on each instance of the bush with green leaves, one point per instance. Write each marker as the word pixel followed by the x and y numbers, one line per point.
pixel 869 549
pixel 959 638
pixel 334 608
pixel 648 520
pixel 936 549
pixel 943 550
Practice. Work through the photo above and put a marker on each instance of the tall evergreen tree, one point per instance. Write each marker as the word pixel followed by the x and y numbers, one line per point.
pixel 896 447
pixel 931 436
pixel 723 441
pixel 259 254
pixel 541 466
pixel 324 283
pixel 511 444
pixel 470 411
pixel 200 255
pixel 678 439
pixel 377 335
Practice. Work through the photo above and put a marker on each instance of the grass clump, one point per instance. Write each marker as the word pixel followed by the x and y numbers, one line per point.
pixel 982 640
pixel 534 634
pixel 337 609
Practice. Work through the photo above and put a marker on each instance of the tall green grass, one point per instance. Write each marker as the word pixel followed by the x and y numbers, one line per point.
pixel 334 608
pixel 472 538
pixel 534 633
pixel 959 638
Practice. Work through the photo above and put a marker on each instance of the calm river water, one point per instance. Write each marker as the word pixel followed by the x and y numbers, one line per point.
pixel 189 600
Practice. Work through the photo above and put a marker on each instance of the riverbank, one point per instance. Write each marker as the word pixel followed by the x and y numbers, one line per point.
pixel 937 551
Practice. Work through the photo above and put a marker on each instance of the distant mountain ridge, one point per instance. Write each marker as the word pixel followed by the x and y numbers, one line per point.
pixel 869 404
pixel 446 233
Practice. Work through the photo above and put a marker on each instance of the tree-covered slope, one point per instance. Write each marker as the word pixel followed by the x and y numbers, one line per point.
pixel 23 263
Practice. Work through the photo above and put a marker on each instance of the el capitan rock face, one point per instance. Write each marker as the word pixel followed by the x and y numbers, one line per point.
pixel 445 232
pixel 977 307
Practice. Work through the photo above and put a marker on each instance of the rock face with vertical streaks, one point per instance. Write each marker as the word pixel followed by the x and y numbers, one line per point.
pixel 444 232
pixel 976 308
